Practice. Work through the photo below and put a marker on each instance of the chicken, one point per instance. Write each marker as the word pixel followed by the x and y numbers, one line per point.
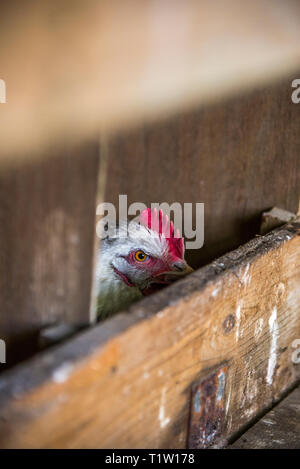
pixel 147 256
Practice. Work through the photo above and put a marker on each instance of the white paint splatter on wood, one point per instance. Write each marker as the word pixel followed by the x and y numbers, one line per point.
pixel 161 416
pixel 246 277
pixel 273 327
pixel 228 401
pixel 268 421
pixel 215 292
pixel 238 321
pixel 61 374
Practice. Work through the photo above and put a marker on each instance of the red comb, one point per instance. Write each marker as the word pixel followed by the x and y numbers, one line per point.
pixel 160 223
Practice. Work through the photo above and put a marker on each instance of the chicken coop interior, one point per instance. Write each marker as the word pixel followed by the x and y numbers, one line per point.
pixel 161 101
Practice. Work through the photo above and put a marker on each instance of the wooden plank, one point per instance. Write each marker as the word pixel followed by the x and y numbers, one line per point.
pixel 278 429
pixel 114 63
pixel 230 156
pixel 99 198
pixel 47 212
pixel 127 382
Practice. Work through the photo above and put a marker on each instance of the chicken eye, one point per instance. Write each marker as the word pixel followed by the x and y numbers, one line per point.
pixel 140 256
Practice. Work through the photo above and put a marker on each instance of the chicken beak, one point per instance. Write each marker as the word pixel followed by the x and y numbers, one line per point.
pixel 170 276
pixel 188 270
pixel 182 268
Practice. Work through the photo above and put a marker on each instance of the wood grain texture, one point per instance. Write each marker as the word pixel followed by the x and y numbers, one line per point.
pixel 127 382
pixel 240 157
pixel 278 429
pixel 46 233
pixel 71 69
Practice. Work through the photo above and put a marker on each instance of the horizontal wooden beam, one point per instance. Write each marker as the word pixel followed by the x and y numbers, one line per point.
pixel 74 69
pixel 195 363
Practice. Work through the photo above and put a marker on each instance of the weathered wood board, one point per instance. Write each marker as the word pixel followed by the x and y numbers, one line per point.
pixel 128 382
pixel 278 429
pixel 231 156
pixel 47 217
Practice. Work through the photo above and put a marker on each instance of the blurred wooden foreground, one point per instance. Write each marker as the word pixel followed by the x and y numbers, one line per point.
pixel 73 68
